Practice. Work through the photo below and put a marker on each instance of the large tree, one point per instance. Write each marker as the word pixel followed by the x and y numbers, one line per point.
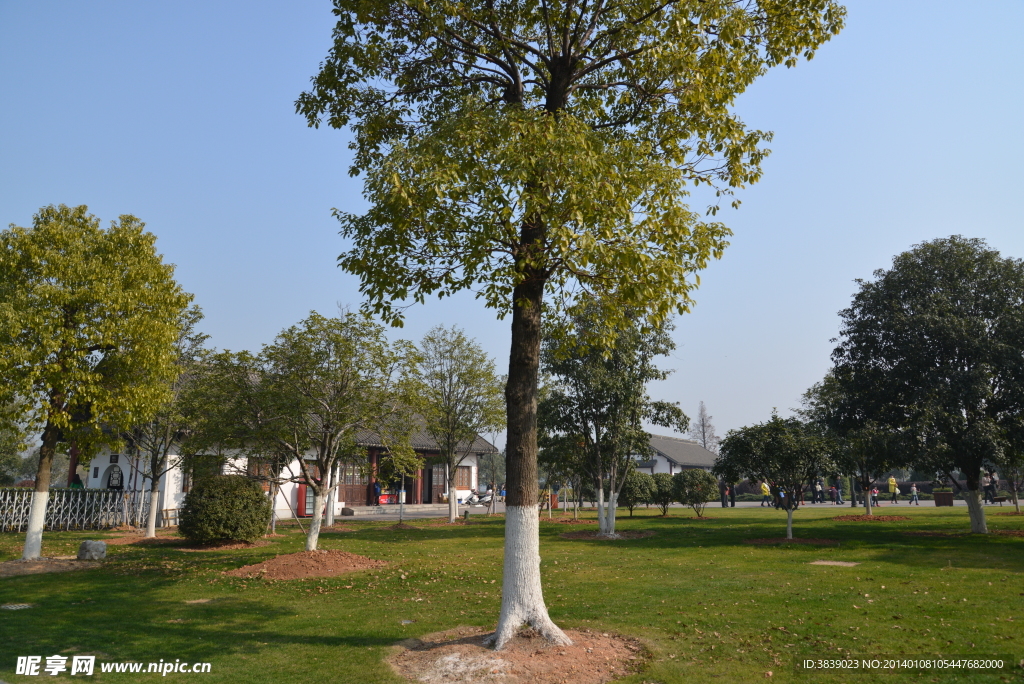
pixel 88 321
pixel 784 452
pixel 933 351
pixel 534 150
pixel 597 397
pixel 460 396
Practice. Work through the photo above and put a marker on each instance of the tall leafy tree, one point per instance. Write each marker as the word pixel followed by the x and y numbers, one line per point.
pixel 535 150
pixel 88 321
pixel 598 398
pixel 158 438
pixel 784 452
pixel 460 396
pixel 932 350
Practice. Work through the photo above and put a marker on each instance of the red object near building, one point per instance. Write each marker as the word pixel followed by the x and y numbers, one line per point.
pixel 554 501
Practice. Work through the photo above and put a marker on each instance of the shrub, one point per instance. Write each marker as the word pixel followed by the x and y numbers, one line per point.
pixel 636 490
pixel 663 491
pixel 694 488
pixel 224 507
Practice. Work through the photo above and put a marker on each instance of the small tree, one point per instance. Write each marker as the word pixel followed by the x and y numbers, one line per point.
pixel 663 491
pixel 460 395
pixel 636 490
pixel 784 452
pixel 694 487
pixel 88 320
pixel 702 430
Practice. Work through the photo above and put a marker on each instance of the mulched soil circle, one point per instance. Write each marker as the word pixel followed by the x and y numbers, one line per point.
pixel 1010 533
pixel 13 568
pixel 592 535
pixel 459 656
pixel 796 540
pixel 871 518
pixel 321 563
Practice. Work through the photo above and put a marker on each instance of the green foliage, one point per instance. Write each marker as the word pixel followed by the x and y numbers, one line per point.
pixel 459 393
pixel 637 489
pixel 932 350
pixel 224 507
pixel 663 491
pixel 88 320
pixel 694 487
pixel 784 452
pixel 587 121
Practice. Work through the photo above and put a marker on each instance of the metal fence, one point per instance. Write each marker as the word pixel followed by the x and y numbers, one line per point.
pixel 75 509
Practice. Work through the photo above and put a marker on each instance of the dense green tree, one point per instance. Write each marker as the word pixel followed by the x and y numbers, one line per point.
pixel 636 489
pixel 597 397
pixel 932 350
pixel 88 320
pixel 784 452
pixel 460 396
pixel 663 492
pixel 521 149
pixel 694 487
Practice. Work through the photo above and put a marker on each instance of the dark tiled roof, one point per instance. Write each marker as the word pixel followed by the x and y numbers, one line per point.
pixel 422 441
pixel 682 452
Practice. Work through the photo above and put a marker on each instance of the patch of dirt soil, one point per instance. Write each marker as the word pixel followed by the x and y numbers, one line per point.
pixel 1008 513
pixel 934 534
pixel 322 563
pixel 182 544
pixel 796 540
pixel 224 546
pixel 592 534
pixel 871 518
pixel 1010 533
pixel 459 656
pixel 42 565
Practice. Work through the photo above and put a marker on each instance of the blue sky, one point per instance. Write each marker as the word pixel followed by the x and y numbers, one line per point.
pixel 904 128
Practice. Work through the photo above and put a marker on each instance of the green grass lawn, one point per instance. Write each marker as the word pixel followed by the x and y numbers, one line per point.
pixel 710 607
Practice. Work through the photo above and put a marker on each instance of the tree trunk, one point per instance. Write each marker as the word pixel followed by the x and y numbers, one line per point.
pixel 976 510
pixel 154 507
pixel 41 495
pixel 332 477
pixel 273 507
pixel 522 599
pixel 789 523
pixel 867 498
pixel 602 526
pixel 453 504
pixel 314 523
pixel 613 502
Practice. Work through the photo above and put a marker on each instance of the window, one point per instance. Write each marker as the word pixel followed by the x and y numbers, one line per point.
pixel 113 458
pixel 95 472
pixel 464 477
pixel 353 474
pixel 186 481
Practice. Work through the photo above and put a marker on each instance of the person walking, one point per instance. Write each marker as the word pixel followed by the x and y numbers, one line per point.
pixel 839 491
pixel 894 490
pixel 913 495
pixel 819 494
pixel 874 496
pixel 832 494
pixel 766 493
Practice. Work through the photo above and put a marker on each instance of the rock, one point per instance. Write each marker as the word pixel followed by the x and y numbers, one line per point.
pixel 92 550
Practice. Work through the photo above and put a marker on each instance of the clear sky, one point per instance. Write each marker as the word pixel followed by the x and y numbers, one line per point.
pixel 906 127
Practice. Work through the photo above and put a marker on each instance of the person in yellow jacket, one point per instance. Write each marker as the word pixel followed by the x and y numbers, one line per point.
pixel 894 490
pixel 766 494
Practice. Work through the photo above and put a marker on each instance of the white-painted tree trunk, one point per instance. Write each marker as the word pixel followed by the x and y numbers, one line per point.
pixel 36 522
pixel 522 600
pixel 329 499
pixel 453 501
pixel 313 536
pixel 789 523
pixel 273 508
pixel 609 515
pixel 976 510
pixel 154 508
pixel 602 525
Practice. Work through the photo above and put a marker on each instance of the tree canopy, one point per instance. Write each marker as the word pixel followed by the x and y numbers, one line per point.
pixel 88 321
pixel 932 349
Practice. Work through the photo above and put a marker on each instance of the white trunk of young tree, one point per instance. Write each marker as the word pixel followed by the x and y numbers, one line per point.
pixel 976 510
pixel 329 500
pixel 313 536
pixel 273 508
pixel 453 501
pixel 602 525
pixel 789 523
pixel 36 522
pixel 154 508
pixel 609 516
pixel 522 599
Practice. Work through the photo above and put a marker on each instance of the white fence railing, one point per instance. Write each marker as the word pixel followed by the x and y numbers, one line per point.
pixel 75 509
